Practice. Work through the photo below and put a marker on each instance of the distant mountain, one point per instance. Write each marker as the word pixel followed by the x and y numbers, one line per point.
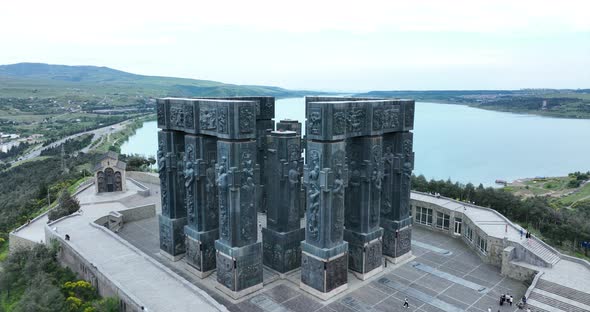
pixel 98 80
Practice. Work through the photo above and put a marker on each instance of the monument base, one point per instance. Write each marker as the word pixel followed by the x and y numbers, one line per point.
pixel 282 251
pixel 327 276
pixel 200 251
pixel 171 257
pixel 239 294
pixel 197 272
pixel 322 295
pixel 172 244
pixel 396 242
pixel 368 275
pixel 239 269
pixel 364 251
pixel 400 259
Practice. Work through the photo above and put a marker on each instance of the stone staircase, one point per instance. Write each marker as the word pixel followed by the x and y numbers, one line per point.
pixel 552 297
pixel 544 253
pixel 563 291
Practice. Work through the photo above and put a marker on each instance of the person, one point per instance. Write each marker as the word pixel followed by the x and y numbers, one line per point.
pixel 502 298
pixel 67 237
pixel 528 309
pixel 406 304
pixel 521 233
pixel 510 300
pixel 489 309
pixel 524 299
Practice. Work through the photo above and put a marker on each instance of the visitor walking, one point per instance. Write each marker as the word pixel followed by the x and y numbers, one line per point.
pixel 502 299
pixel 521 233
pixel 406 304
pixel 510 300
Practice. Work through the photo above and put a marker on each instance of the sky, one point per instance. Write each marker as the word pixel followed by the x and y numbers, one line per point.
pixel 314 45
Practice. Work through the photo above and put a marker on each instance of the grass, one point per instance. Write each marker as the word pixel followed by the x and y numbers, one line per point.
pixel 582 193
pixel 3 251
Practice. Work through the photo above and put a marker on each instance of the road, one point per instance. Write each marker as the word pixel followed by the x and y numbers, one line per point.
pixel 98 133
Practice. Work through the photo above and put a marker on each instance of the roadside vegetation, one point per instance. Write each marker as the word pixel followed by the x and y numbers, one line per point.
pixel 564 228
pixel 32 280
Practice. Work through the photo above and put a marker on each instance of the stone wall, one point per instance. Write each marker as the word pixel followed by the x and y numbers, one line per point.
pixel 145 177
pixel 513 269
pixel 15 242
pixel 138 213
pixel 105 285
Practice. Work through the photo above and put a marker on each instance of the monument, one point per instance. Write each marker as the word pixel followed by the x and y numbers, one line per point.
pixel 209 178
pixel 221 163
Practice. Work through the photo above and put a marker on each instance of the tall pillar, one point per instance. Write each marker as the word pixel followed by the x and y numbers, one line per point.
pixel 239 256
pixel 363 200
pixel 283 234
pixel 201 198
pixel 398 157
pixel 294 125
pixel 173 216
pixel 324 262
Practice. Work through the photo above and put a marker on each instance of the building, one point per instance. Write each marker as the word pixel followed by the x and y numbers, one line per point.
pixel 109 174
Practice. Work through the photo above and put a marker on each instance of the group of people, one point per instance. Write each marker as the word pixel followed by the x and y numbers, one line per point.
pixel 506 298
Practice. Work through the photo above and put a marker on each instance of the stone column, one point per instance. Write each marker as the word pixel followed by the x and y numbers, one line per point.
pixel 239 256
pixel 363 200
pixel 398 157
pixel 201 199
pixel 283 234
pixel 324 260
pixel 173 216
pixel 294 125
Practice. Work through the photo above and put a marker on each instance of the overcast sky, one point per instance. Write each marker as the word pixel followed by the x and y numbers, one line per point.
pixel 321 45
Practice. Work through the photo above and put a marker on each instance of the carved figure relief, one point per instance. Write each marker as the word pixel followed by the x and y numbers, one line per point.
pixel 162 173
pixel 223 187
pixel 389 163
pixel 222 120
pixel 314 195
pixel 315 122
pixel 177 115
pixel 208 118
pixel 225 272
pixel 189 179
pixel 188 116
pixel 248 210
pixel 376 181
pixel 377 119
pixel 390 118
pixel 246 122
pixel 161 115
pixel 294 187
pixel 165 237
pixel 338 195
pixel 356 118
pixel 210 187
pixel 339 122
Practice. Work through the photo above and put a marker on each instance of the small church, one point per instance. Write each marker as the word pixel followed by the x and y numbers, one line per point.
pixel 109 174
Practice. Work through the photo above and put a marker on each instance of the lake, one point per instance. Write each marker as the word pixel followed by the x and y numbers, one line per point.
pixel 463 143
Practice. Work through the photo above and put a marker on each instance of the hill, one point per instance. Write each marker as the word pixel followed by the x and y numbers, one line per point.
pixel 37 79
pixel 567 103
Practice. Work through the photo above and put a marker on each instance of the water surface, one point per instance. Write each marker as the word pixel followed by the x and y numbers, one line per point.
pixel 464 143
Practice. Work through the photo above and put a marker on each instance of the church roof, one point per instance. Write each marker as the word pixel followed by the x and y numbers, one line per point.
pixel 115 160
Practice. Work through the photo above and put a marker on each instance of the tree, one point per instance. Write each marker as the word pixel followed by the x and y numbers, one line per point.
pixel 66 206
pixel 41 296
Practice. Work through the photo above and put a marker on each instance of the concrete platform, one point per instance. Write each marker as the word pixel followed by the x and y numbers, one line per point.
pixel 426 291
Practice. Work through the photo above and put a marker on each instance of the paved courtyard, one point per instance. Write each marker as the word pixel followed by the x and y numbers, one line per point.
pixel 444 275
